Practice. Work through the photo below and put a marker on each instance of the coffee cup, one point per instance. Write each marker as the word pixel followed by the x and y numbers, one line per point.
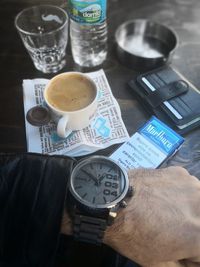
pixel 72 100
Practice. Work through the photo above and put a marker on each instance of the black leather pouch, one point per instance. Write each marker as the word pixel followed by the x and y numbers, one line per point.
pixel 32 195
pixel 167 94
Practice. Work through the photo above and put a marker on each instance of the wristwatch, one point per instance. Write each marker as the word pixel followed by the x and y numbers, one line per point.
pixel 98 187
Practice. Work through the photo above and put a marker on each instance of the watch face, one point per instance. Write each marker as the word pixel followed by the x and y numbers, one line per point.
pixel 98 182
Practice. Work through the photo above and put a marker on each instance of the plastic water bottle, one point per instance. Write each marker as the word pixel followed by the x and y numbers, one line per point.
pixel 88 31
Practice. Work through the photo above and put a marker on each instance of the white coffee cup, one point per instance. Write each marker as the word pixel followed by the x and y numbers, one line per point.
pixel 72 100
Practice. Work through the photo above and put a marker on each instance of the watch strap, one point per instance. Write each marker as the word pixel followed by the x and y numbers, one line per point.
pixel 89 229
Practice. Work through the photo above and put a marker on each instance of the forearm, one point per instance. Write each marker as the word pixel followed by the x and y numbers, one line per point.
pixel 66 224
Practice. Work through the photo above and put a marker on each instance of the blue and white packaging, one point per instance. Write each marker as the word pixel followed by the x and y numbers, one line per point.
pixel 87 11
pixel 153 143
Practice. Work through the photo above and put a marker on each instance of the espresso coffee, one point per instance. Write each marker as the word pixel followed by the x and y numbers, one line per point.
pixel 71 92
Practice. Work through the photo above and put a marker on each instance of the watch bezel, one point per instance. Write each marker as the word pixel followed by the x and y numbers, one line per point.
pixel 98 206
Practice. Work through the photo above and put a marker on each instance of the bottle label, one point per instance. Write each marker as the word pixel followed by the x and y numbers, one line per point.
pixel 87 12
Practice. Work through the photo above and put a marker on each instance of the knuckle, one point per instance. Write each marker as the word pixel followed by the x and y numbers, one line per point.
pixel 179 170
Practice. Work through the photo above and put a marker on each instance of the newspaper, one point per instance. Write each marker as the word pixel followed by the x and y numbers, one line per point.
pixel 107 127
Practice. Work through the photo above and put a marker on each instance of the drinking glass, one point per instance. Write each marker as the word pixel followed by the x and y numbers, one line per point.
pixel 44 32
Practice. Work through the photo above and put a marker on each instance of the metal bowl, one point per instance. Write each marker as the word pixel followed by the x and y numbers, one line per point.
pixel 144 44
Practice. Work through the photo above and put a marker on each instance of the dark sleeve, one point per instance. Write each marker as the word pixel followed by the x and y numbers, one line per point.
pixel 32 194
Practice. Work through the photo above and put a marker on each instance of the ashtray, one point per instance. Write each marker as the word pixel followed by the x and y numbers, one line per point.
pixel 143 44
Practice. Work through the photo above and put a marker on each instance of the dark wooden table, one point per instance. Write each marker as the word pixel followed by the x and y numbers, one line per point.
pixel 15 65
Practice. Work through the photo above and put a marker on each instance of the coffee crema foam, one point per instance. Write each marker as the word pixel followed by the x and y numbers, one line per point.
pixel 71 92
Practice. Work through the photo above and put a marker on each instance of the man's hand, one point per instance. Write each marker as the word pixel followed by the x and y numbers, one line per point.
pixel 162 220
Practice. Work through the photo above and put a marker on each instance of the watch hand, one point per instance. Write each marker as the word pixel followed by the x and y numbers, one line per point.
pixel 101 178
pixel 91 176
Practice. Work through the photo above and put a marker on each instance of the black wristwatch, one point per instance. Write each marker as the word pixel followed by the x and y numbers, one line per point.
pixel 97 189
